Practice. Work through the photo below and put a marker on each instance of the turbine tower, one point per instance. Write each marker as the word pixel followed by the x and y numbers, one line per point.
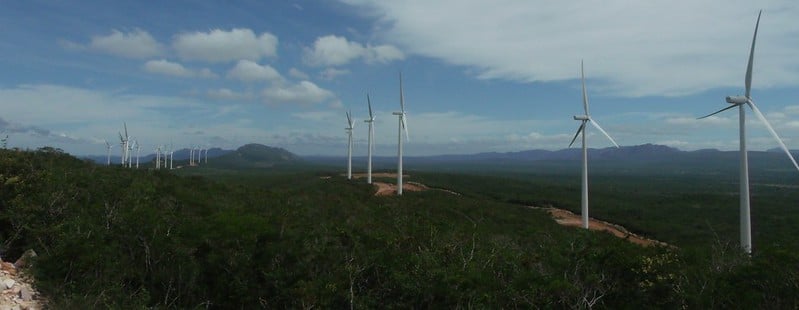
pixel 108 147
pixel 371 122
pixel 124 140
pixel 402 127
pixel 348 129
pixel 741 101
pixel 586 118
pixel 157 157
pixel 138 150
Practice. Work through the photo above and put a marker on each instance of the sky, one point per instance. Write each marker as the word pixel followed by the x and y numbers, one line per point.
pixel 478 76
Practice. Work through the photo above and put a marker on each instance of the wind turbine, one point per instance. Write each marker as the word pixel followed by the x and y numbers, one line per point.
pixel 158 157
pixel 171 155
pixel 586 118
pixel 371 122
pixel 108 147
pixel 138 150
pixel 402 127
pixel 124 145
pixel 350 126
pixel 740 101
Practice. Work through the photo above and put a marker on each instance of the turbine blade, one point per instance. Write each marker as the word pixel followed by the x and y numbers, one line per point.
pixel 751 58
pixel 369 102
pixel 126 129
pixel 585 95
pixel 349 119
pixel 593 122
pixel 579 129
pixel 719 111
pixel 405 127
pixel 773 133
pixel 402 96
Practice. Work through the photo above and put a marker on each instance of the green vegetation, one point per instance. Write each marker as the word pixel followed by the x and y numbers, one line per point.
pixel 119 238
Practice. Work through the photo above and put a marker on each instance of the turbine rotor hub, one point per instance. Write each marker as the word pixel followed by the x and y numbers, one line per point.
pixel 736 99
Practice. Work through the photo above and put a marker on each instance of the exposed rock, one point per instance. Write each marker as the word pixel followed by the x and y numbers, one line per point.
pixel 25 294
pixel 8 267
pixel 25 259
pixel 9 283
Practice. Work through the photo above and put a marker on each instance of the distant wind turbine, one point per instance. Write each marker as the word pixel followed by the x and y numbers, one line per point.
pixel 402 127
pixel 138 151
pixel 371 122
pixel 348 129
pixel 108 147
pixel 586 118
pixel 740 101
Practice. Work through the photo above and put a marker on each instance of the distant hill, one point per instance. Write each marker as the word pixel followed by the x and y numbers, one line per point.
pixel 254 156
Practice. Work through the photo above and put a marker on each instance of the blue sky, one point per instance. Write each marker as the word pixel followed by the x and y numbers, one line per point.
pixel 479 75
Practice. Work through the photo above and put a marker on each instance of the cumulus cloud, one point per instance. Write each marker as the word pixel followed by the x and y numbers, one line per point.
pixel 304 92
pixel 135 44
pixel 333 50
pixel 223 46
pixel 227 94
pixel 297 74
pixel 249 71
pixel 166 67
pixel 332 73
pixel 634 48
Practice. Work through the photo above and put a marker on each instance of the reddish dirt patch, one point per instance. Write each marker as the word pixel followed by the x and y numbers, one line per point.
pixel 386 189
pixel 567 218
pixel 378 175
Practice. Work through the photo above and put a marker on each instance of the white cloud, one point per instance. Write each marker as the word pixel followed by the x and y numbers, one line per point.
pixel 227 94
pixel 635 48
pixel 224 46
pixel 248 71
pixel 166 67
pixel 336 104
pixel 316 115
pixel 714 120
pixel 333 50
pixel 382 54
pixel 304 92
pixel 135 44
pixel 297 74
pixel 332 73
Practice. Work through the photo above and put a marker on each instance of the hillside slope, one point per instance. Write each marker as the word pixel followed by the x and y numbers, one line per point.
pixel 119 238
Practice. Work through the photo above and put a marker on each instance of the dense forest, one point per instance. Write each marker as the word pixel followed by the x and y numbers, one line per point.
pixel 109 237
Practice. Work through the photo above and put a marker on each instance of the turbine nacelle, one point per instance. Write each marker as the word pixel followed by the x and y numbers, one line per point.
pixel 736 99
pixel 581 118
pixel 398 113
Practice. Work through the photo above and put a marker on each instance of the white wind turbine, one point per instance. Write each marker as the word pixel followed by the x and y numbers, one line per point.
pixel 108 147
pixel 138 150
pixel 158 157
pixel 740 101
pixel 348 129
pixel 124 141
pixel 402 127
pixel 586 118
pixel 371 122
pixel 171 155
